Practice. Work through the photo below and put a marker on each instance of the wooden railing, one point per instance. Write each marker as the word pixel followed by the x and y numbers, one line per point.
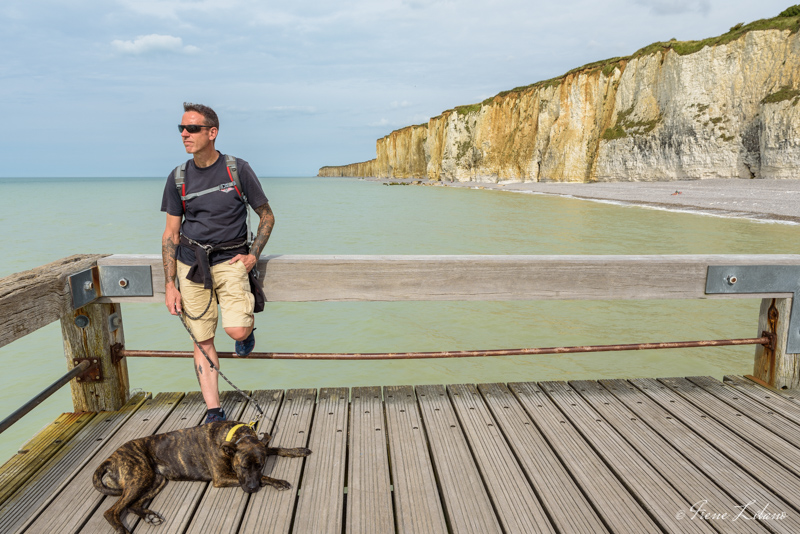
pixel 33 299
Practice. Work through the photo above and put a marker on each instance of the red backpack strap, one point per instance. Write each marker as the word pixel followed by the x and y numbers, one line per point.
pixel 233 174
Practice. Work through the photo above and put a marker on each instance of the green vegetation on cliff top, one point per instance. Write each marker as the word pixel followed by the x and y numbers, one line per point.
pixel 787 20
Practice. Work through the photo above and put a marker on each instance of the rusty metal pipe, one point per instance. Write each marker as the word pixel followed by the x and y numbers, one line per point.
pixel 38 399
pixel 765 340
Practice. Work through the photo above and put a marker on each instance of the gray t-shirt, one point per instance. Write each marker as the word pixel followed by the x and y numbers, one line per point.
pixel 217 217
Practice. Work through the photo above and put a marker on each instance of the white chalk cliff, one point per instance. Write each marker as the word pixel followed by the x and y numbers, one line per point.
pixel 729 108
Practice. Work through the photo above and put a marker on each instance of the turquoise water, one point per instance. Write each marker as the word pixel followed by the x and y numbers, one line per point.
pixel 44 220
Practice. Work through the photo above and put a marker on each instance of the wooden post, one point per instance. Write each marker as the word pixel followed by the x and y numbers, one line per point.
pixel 774 366
pixel 91 332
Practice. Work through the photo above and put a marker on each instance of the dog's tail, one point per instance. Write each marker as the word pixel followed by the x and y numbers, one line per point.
pixel 100 478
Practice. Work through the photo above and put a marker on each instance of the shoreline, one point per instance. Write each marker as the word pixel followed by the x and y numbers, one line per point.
pixel 763 200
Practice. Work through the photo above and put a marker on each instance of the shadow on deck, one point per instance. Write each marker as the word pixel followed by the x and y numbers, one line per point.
pixel 611 456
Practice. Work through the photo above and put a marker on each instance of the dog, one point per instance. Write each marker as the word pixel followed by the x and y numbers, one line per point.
pixel 226 453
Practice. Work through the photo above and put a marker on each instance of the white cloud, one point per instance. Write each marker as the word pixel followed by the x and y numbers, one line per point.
pixel 403 104
pixel 145 44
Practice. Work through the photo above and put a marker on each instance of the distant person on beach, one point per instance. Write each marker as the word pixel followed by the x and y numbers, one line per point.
pixel 206 245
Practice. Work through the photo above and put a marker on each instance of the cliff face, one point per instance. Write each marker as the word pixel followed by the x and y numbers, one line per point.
pixel 728 110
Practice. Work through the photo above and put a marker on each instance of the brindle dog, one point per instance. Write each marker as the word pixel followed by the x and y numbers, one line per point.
pixel 226 453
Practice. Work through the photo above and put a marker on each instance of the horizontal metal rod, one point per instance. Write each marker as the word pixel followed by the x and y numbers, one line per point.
pixel 38 399
pixel 450 354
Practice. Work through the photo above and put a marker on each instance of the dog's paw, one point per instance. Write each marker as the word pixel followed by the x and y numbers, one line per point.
pixel 154 518
pixel 282 485
pixel 276 483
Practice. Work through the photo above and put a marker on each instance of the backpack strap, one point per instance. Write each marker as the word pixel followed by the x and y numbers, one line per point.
pixel 180 182
pixel 233 174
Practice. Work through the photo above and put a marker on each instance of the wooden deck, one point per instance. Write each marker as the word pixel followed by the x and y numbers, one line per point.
pixel 611 456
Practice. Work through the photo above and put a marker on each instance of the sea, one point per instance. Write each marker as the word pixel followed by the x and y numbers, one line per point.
pixel 43 220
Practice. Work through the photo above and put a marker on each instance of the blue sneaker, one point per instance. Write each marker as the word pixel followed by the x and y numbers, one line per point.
pixel 245 347
pixel 215 416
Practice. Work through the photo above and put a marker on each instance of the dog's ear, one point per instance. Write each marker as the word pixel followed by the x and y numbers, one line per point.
pixel 265 438
pixel 228 448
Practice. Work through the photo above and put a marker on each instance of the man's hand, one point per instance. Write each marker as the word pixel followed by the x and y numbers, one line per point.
pixel 173 299
pixel 249 261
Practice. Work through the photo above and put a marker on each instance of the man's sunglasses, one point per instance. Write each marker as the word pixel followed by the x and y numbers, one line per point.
pixel 191 128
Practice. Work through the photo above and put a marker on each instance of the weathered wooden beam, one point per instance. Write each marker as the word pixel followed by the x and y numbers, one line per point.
pixel 772 364
pixel 91 332
pixel 395 278
pixel 32 299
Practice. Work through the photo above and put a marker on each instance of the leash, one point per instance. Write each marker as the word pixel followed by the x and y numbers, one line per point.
pixel 208 250
pixel 215 368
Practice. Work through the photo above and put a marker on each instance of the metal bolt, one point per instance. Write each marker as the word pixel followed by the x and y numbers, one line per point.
pixel 123 283
pixel 81 321
pixel 88 286
pixel 731 279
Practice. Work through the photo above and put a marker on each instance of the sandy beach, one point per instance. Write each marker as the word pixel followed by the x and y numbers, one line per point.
pixel 766 200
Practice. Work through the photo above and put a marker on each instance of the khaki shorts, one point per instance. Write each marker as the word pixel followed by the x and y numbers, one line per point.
pixel 232 287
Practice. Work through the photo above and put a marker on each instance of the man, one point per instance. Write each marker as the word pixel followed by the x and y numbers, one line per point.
pixel 205 246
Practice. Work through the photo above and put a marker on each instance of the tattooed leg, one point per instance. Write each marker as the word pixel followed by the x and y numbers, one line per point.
pixel 206 376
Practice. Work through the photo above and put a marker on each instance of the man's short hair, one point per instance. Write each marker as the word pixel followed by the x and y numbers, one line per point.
pixel 209 116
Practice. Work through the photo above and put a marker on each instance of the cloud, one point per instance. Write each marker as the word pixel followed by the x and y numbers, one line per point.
pixel 404 104
pixel 676 7
pixel 146 44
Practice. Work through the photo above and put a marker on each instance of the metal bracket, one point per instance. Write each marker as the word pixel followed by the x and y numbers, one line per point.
pixel 110 281
pixel 743 279
pixel 93 373
pixel 116 352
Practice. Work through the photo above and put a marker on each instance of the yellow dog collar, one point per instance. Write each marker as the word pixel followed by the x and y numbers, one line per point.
pixel 233 430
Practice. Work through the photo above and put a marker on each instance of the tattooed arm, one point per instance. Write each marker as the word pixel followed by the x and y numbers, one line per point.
pixel 169 249
pixel 266 220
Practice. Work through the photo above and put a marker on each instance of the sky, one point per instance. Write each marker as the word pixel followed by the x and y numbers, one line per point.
pixel 94 88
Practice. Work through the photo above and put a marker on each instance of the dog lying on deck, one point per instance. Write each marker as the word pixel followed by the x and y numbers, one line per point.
pixel 226 453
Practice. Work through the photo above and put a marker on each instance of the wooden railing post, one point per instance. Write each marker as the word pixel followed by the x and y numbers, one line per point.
pixel 772 364
pixel 91 332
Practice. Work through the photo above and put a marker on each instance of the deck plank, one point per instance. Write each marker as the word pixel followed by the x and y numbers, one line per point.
pixel 516 504
pixel 648 487
pixel 742 452
pixel 610 498
pixel 369 494
pixel 466 500
pixel 566 505
pixel 606 456
pixel 781 402
pixel 42 487
pixel 220 510
pixel 38 450
pixel 738 421
pixel 776 422
pixel 417 505
pixel 78 500
pixel 270 511
pixel 684 435
pixel 320 508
